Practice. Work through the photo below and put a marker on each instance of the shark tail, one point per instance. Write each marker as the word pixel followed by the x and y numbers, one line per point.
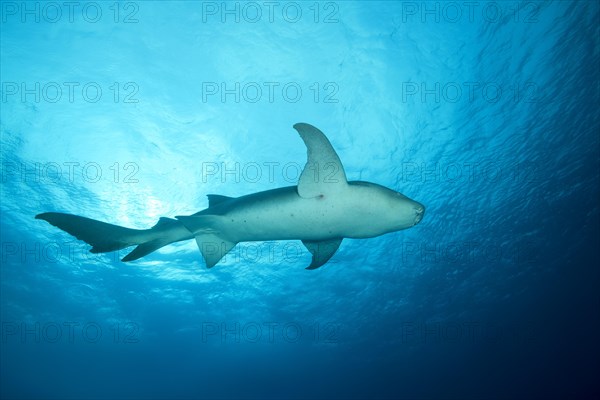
pixel 105 237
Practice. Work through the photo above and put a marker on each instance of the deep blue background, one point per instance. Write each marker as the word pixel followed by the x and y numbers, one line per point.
pixel 487 115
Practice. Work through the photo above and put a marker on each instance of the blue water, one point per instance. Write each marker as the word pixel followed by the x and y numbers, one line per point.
pixel 487 113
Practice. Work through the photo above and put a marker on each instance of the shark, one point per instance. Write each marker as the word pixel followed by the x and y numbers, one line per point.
pixel 321 210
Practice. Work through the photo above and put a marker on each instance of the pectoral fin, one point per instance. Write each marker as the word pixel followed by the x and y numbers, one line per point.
pixel 322 251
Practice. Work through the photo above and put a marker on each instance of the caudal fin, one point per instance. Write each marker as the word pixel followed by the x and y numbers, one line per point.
pixel 103 237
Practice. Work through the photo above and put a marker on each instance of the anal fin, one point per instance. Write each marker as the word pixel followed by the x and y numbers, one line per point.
pixel 321 251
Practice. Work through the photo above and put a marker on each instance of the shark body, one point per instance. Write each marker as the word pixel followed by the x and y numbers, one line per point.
pixel 322 210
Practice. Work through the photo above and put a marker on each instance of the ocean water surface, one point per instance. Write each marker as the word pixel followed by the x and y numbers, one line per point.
pixel 485 112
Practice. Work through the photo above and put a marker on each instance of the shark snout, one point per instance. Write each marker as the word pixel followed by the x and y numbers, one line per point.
pixel 419 212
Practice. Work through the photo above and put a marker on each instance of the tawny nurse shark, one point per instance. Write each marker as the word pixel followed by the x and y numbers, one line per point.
pixel 322 210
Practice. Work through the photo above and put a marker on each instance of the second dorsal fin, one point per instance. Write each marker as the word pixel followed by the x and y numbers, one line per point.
pixel 163 221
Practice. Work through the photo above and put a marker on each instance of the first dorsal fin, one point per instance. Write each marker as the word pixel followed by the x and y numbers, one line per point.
pixel 214 199
pixel 323 172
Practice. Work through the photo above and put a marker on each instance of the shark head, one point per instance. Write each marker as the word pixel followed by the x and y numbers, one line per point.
pixel 400 211
pixel 384 209
pixel 406 212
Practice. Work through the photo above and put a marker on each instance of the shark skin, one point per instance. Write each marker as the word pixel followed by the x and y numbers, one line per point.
pixel 322 210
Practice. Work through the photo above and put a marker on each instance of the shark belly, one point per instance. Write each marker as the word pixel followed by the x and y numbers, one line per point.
pixel 280 214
